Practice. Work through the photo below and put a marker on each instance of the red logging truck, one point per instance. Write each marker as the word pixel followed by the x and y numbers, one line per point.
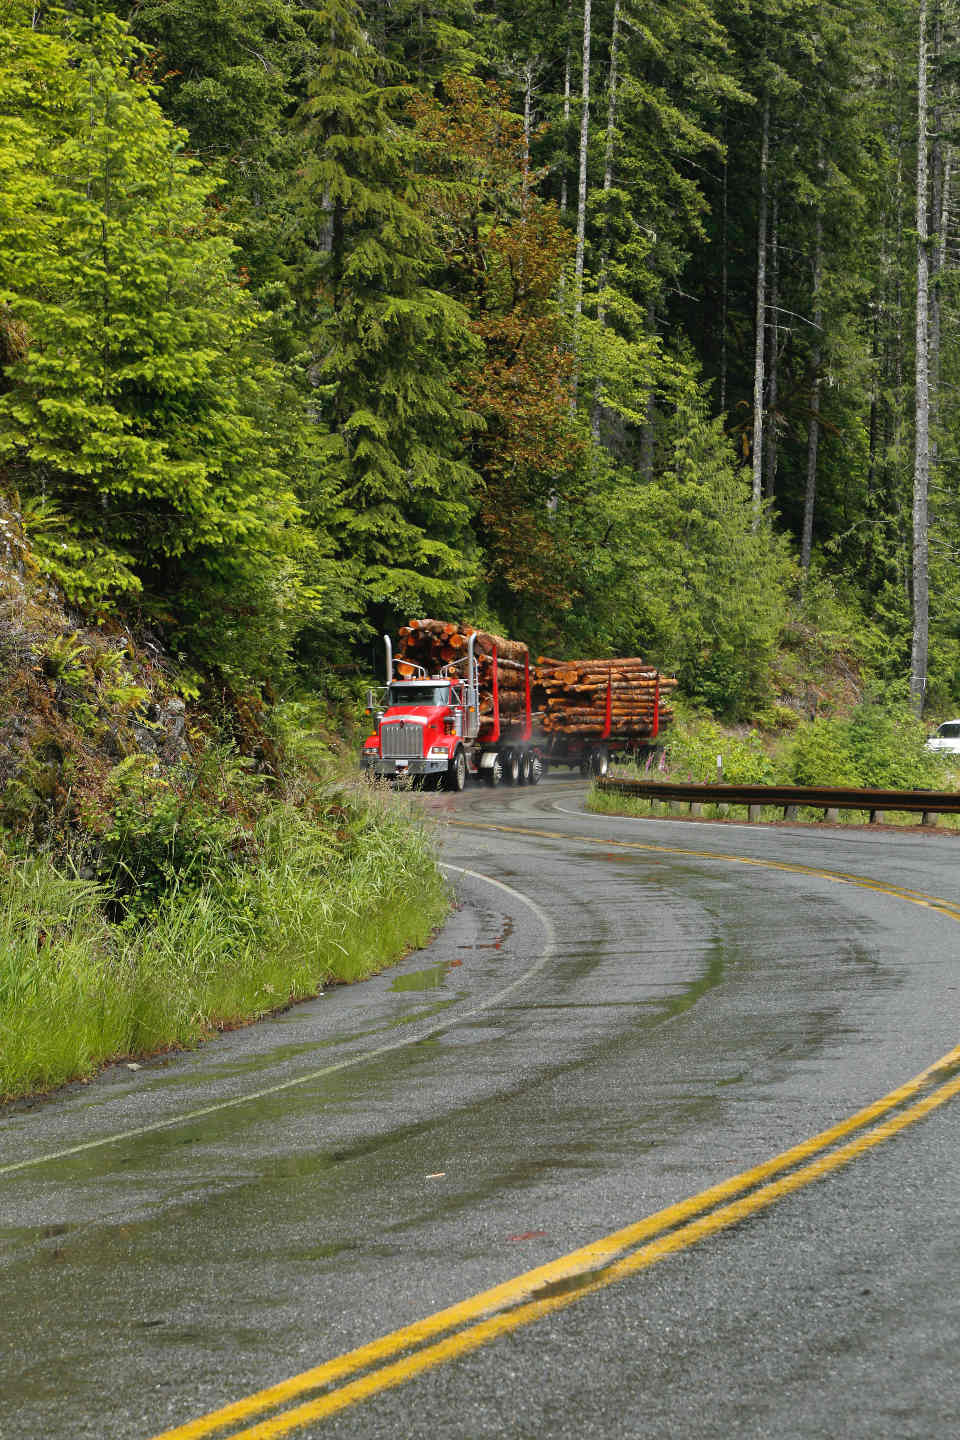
pixel 434 728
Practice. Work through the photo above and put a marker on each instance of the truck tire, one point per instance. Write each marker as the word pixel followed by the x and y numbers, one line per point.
pixel 456 777
pixel 525 766
pixel 493 774
pixel 596 761
pixel 538 768
pixel 511 767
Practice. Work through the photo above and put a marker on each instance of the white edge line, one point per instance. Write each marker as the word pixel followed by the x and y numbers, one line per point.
pixel 299 1080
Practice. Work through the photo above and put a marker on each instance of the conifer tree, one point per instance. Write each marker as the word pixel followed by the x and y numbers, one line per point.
pixel 388 344
pixel 232 73
pixel 506 251
pixel 140 404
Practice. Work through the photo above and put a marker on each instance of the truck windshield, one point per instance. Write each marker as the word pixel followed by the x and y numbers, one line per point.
pixel 420 695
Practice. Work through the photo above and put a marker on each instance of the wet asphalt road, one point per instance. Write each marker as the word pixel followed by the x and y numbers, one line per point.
pixel 546 1073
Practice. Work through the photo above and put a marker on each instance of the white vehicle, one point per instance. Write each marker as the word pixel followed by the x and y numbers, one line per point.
pixel 946 738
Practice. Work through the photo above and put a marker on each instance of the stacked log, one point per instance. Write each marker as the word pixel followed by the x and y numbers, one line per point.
pixel 573 696
pixel 434 644
pixel 569 697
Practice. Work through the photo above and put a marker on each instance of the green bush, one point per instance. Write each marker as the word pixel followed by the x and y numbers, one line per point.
pixel 879 746
pixel 692 747
pixel 821 754
pixel 179 833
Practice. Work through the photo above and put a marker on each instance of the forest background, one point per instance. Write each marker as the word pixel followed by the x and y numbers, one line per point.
pixel 623 327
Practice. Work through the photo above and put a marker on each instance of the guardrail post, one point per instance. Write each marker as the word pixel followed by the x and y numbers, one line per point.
pixel 930 817
pixel 753 813
pixel 695 807
pixel 876 817
pixel 791 812
pixel 831 815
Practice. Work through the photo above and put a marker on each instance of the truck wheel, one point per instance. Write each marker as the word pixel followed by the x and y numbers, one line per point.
pixel 456 777
pixel 525 764
pixel 511 767
pixel 601 761
pixel 538 768
pixel 493 774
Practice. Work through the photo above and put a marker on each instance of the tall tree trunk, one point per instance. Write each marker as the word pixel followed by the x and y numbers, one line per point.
pixel 939 258
pixel 770 457
pixel 896 444
pixel 940 186
pixel 582 182
pixel 724 273
pixel 527 126
pixel 566 114
pixel 876 351
pixel 813 424
pixel 761 317
pixel 921 452
pixel 607 186
pixel 581 197
pixel 611 102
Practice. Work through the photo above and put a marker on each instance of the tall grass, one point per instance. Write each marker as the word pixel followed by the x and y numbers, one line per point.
pixel 321 904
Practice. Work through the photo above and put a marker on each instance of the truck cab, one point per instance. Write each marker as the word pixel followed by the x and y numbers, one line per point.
pixel 423 722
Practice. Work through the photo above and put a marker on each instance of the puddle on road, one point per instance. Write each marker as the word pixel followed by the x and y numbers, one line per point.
pixel 430 978
pixel 269 1059
pixel 498 943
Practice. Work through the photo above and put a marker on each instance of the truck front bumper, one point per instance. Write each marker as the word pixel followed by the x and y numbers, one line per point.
pixel 394 768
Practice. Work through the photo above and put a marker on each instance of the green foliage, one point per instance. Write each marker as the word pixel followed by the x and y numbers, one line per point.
pixel 165 835
pixel 63 659
pixel 821 754
pixel 332 897
pixel 877 746
pixel 230 73
pixel 692 746
pixel 685 572
pixel 505 252
pixel 388 343
pixel 146 408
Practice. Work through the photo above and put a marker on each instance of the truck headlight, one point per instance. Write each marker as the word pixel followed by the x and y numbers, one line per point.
pixel 437 750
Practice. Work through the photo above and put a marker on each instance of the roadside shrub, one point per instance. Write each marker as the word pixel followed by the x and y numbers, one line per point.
pixel 693 745
pixel 877 746
pixel 173 902
pixel 821 754
pixel 179 832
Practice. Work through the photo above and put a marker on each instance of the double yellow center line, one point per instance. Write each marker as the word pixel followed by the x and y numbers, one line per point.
pixel 457 1330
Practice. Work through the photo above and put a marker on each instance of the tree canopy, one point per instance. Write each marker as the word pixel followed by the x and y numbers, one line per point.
pixel 609 323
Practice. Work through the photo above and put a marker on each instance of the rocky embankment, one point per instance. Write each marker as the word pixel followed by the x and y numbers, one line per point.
pixel 80 707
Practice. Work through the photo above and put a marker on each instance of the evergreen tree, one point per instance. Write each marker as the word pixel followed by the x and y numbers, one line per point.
pixel 505 253
pixel 141 405
pixel 388 345
pixel 232 74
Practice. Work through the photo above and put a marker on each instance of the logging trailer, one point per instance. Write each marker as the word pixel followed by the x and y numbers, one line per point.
pixel 434 729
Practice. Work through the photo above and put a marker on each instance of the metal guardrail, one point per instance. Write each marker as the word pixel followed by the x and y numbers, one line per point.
pixel 790 798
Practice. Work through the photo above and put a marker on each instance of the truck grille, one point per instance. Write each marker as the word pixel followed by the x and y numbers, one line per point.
pixel 402 742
